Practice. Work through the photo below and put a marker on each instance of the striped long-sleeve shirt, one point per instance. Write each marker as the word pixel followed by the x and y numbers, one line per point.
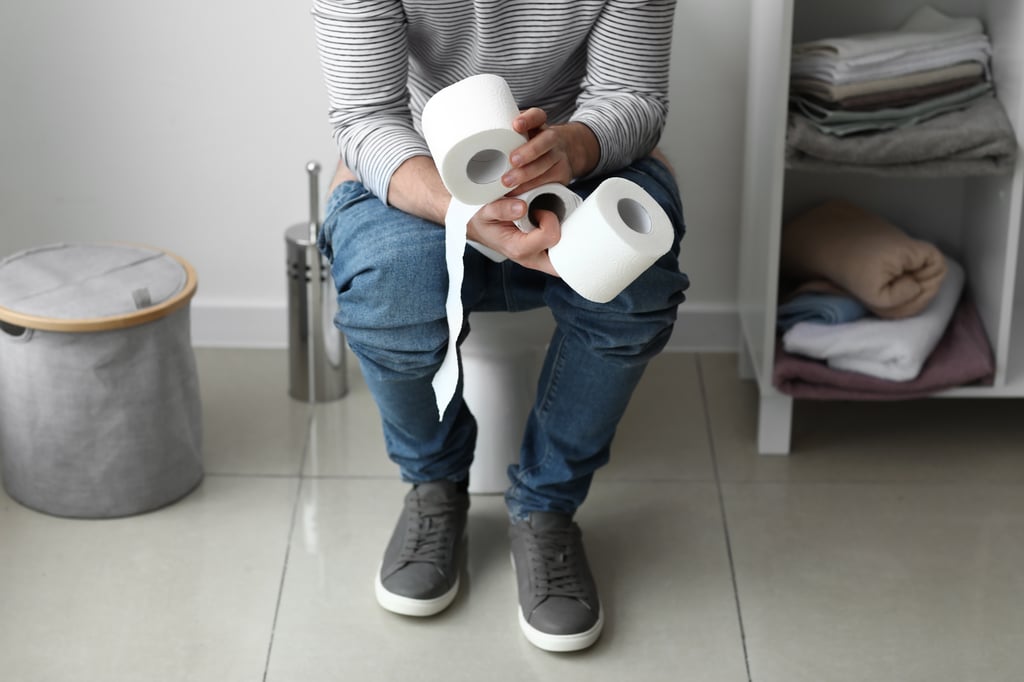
pixel 604 63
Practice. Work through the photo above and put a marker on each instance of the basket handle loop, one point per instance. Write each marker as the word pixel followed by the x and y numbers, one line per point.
pixel 16 331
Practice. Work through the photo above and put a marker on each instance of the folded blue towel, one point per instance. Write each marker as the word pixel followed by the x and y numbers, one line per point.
pixel 821 308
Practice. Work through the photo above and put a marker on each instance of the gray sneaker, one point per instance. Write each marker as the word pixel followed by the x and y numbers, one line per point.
pixel 558 605
pixel 419 575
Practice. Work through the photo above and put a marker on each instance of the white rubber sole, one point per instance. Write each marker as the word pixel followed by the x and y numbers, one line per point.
pixel 559 643
pixel 407 606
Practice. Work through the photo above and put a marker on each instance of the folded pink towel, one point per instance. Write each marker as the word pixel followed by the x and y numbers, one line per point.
pixel 962 357
pixel 877 263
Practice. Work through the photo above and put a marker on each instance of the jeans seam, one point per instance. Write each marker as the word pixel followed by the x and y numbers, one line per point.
pixel 556 372
pixel 506 287
pixel 542 405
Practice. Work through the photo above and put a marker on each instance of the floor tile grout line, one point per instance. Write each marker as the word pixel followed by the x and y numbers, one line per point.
pixel 310 425
pixel 725 519
pixel 242 474
pixel 661 479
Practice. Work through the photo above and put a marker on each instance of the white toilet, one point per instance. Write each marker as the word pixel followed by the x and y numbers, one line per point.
pixel 501 360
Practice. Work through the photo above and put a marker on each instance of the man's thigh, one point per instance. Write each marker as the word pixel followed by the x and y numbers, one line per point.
pixel 388 266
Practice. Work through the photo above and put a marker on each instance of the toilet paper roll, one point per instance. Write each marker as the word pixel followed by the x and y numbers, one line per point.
pixel 553 197
pixel 488 251
pixel 468 129
pixel 614 235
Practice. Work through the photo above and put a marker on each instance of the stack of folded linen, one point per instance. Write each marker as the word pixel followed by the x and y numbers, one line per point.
pixel 907 292
pixel 881 85
pixel 962 357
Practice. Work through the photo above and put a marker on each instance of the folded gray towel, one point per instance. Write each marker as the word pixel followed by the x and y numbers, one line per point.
pixel 978 140
pixel 842 122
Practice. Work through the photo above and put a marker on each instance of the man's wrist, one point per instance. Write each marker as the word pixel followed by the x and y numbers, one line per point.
pixel 584 150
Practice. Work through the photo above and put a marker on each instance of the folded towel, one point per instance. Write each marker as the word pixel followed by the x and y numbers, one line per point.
pixel 899 98
pixel 822 308
pixel 842 122
pixel 978 140
pixel 925 27
pixel 927 40
pixel 843 73
pixel 892 274
pixel 963 357
pixel 895 350
pixel 919 79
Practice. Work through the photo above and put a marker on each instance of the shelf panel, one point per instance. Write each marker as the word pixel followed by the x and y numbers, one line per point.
pixel 768 81
pixel 1015 354
pixel 817 19
pixel 1014 390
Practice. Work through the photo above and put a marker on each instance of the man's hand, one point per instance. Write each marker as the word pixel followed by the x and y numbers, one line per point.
pixel 553 153
pixel 492 226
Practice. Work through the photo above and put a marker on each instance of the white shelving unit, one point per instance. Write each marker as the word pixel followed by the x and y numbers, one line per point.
pixel 975 220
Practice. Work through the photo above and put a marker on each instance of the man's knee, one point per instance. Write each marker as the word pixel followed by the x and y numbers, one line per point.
pixel 635 325
pixel 399 353
pixel 389 272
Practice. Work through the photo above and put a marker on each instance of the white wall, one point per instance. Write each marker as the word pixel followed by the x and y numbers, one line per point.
pixel 188 125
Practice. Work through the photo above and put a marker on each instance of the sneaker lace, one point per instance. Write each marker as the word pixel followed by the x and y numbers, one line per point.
pixel 430 532
pixel 556 563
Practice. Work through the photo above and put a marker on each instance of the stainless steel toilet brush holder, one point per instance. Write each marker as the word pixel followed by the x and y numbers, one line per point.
pixel 316 348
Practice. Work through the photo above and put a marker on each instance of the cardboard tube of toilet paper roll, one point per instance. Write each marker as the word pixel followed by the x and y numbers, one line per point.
pixel 468 129
pixel 615 235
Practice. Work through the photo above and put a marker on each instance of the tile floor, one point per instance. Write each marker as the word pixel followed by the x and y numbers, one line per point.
pixel 888 546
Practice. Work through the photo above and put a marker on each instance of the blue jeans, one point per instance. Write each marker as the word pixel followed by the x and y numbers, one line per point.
pixel 389 270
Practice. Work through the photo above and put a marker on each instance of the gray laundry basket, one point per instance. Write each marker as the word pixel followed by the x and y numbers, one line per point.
pixel 99 398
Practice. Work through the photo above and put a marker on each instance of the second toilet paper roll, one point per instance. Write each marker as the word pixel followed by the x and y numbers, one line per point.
pixel 616 234
pixel 468 129
pixel 553 197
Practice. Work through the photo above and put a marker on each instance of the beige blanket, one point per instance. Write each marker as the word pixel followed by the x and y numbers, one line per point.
pixel 891 273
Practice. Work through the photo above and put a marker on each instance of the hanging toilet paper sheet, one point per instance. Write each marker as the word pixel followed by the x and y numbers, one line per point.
pixel 607 240
pixel 447 377
pixel 553 197
pixel 468 129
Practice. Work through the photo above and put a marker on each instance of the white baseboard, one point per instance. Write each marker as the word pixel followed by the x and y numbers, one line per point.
pixel 234 325
pixel 706 328
pixel 701 327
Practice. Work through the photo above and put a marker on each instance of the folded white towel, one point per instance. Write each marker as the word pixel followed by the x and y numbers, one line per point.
pixel 888 349
pixel 927 40
pixel 824 69
pixel 925 27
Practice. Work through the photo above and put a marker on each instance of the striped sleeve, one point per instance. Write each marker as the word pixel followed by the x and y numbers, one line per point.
pixel 625 90
pixel 364 57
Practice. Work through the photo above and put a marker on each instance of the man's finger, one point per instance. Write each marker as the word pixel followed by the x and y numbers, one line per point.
pixel 528 120
pixel 548 229
pixel 537 147
pixel 503 210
